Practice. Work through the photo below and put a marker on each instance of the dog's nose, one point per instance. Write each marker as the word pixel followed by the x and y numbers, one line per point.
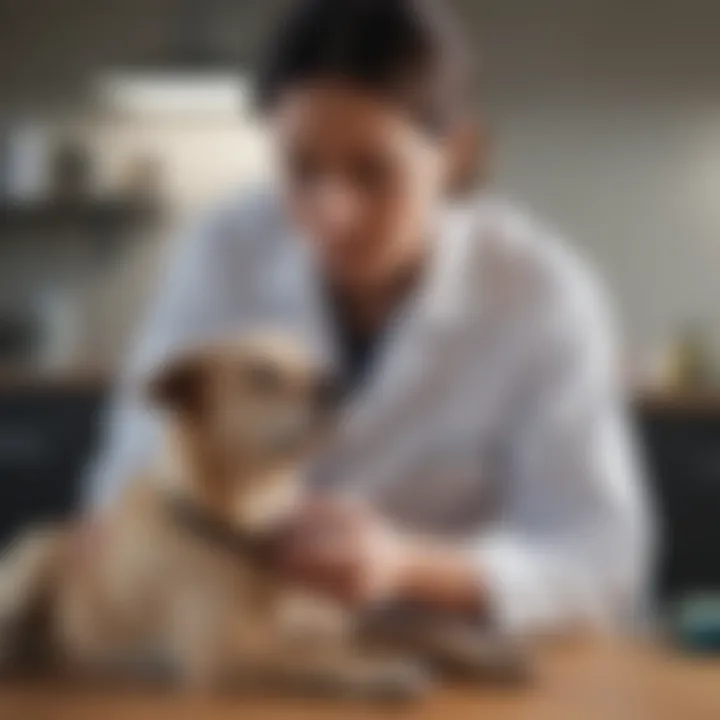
pixel 329 392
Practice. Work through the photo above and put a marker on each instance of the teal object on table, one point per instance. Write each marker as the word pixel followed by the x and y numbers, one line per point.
pixel 696 623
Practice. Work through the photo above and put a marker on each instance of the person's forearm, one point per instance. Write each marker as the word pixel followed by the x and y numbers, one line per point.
pixel 442 578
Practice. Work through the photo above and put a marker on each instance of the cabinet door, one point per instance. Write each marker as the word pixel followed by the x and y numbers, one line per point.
pixel 683 452
pixel 46 438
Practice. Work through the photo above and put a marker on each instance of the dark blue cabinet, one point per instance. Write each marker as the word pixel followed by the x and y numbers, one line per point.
pixel 47 434
pixel 682 442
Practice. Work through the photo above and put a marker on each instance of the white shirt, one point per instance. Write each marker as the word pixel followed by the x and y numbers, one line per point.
pixel 493 412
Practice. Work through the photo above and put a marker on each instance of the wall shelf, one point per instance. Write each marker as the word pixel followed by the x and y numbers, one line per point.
pixel 97 215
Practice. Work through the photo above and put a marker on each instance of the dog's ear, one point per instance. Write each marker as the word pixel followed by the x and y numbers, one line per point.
pixel 177 386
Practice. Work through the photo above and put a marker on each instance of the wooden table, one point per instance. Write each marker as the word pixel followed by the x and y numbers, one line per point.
pixel 602 682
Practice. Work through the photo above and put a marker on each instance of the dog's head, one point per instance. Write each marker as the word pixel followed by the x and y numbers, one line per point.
pixel 243 414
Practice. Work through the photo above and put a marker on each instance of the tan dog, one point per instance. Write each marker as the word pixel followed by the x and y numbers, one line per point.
pixel 179 576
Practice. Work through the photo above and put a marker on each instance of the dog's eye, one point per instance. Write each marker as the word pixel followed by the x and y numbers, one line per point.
pixel 264 378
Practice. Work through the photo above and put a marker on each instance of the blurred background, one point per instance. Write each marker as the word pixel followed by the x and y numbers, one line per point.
pixel 118 118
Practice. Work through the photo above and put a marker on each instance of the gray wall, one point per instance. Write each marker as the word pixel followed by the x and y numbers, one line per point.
pixel 606 115
pixel 608 120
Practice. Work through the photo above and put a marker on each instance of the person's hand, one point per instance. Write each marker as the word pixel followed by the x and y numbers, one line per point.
pixel 347 550
pixel 344 549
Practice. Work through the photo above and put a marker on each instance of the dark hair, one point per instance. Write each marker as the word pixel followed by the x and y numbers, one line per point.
pixel 406 51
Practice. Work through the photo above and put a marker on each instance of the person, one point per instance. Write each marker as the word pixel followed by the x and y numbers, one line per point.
pixel 482 464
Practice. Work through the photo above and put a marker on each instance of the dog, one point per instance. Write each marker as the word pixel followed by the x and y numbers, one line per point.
pixel 179 575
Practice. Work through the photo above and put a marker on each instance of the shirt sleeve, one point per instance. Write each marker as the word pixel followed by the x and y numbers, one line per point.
pixel 200 296
pixel 572 544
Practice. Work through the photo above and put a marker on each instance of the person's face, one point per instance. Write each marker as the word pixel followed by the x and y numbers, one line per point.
pixel 361 180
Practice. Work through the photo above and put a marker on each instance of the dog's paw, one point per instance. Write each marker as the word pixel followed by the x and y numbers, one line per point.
pixel 392 681
pixel 483 658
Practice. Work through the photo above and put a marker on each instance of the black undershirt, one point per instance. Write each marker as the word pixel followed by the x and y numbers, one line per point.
pixel 357 348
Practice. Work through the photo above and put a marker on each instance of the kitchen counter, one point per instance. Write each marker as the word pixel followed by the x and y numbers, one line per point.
pixel 89 377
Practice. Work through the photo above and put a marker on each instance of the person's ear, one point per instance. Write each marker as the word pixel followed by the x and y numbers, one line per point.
pixel 177 385
pixel 469 156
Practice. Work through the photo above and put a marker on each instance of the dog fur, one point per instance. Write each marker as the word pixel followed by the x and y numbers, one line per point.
pixel 146 591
